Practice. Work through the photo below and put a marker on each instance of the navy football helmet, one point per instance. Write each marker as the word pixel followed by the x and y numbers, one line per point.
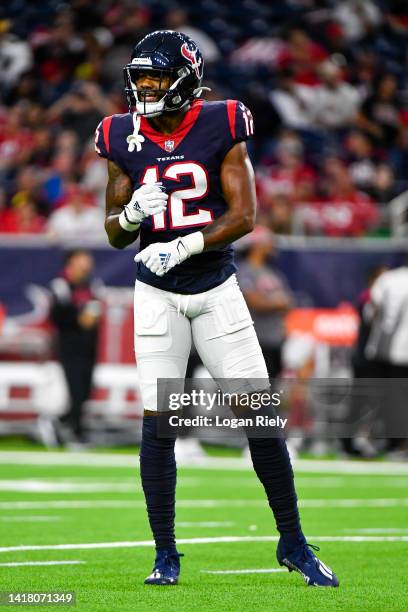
pixel 166 53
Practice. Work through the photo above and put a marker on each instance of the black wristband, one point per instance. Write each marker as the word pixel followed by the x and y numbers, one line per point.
pixel 127 218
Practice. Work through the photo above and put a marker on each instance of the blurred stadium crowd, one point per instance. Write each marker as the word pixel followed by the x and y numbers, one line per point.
pixel 326 81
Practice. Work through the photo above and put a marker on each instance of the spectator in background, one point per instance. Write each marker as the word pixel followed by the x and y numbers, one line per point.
pixel 15 55
pixel 93 171
pixel 399 157
pixel 334 102
pixel 177 19
pixel 292 101
pixel 388 340
pixel 363 367
pixel 375 179
pixel 387 346
pixel 63 167
pixel 288 172
pixel 4 210
pixel 280 216
pixel 360 159
pixel 282 184
pixel 126 23
pixel 383 191
pixel 81 109
pixel 25 89
pixel 344 209
pixel 267 295
pixel 42 147
pixel 340 209
pixel 302 55
pixel 75 312
pixel 22 217
pixel 357 18
pixel 380 114
pixel 357 441
pixel 77 218
pixel 364 70
pixel 16 140
pixel 327 105
pixel 58 50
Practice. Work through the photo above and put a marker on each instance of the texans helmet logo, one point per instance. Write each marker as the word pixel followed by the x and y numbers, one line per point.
pixel 191 56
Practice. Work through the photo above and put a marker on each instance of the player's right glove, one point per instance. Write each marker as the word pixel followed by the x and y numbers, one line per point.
pixel 147 200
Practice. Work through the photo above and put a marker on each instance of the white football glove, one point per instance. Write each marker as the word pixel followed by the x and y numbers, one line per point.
pixel 161 257
pixel 147 200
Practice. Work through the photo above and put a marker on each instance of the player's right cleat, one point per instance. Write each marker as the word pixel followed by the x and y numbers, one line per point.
pixel 303 561
pixel 166 568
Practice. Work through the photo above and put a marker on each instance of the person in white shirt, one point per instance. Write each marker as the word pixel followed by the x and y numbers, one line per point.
pixel 389 339
pixel 331 105
pixel 76 219
pixel 335 102
pixel 388 346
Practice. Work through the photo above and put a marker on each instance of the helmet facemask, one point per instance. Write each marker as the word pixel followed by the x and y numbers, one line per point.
pixel 170 99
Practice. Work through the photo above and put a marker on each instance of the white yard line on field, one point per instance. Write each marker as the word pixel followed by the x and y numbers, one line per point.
pixel 52 458
pixel 71 504
pixel 112 460
pixel 385 502
pixel 55 486
pixel 24 518
pixel 205 524
pixel 50 485
pixel 381 530
pixel 30 563
pixel 203 503
pixel 246 571
pixel 124 484
pixel 185 541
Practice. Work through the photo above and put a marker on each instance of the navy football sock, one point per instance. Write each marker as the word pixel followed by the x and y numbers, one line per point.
pixel 272 465
pixel 158 474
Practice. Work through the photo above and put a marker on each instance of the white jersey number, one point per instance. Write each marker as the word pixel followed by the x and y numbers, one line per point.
pixel 178 215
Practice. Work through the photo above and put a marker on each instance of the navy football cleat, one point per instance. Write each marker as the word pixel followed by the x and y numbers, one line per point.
pixel 166 568
pixel 302 560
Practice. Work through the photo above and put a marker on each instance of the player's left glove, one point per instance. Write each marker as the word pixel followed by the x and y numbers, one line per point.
pixel 161 257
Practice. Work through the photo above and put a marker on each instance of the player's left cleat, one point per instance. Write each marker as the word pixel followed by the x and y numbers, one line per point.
pixel 166 568
pixel 302 560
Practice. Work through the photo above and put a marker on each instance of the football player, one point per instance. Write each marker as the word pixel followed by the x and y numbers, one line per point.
pixel 181 179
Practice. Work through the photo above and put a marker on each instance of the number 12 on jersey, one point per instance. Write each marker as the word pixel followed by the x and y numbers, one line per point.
pixel 176 205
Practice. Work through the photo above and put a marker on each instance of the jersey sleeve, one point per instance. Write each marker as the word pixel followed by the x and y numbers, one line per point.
pixel 102 138
pixel 378 290
pixel 240 121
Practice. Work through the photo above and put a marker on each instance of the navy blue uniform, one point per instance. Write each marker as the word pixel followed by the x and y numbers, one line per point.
pixel 188 163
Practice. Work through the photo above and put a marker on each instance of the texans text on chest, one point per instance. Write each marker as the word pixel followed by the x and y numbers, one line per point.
pixel 169 158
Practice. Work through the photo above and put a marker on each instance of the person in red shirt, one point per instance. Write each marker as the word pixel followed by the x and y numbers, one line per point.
pixel 345 211
pixel 302 55
pixel 22 217
pixel 289 170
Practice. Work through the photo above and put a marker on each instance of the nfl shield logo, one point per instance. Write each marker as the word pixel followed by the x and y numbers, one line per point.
pixel 169 145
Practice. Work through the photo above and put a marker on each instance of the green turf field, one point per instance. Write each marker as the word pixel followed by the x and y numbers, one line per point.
pixel 360 521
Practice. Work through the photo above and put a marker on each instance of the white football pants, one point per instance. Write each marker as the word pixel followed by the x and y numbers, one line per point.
pixel 220 324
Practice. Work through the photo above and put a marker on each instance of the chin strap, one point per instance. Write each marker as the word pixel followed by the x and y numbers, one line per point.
pixel 135 140
pixel 197 92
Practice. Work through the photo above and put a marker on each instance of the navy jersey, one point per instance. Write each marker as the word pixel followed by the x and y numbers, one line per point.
pixel 188 163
